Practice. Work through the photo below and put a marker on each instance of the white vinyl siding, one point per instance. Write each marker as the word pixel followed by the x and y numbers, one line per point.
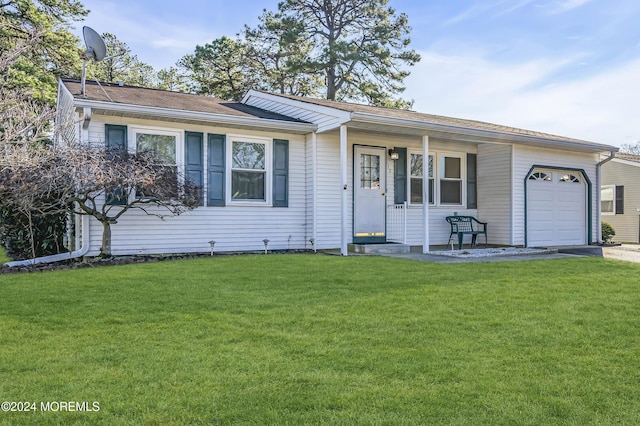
pixel 329 191
pixel 234 228
pixel 627 225
pixel 494 191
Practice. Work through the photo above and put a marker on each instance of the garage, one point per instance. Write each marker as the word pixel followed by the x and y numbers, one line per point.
pixel 556 208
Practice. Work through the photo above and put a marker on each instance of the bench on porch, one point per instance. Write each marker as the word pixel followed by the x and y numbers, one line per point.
pixel 461 225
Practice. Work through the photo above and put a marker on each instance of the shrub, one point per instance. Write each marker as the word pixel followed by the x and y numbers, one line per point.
pixel 607 232
pixel 16 233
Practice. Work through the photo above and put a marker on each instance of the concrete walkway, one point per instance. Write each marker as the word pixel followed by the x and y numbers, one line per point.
pixel 626 252
pixel 509 258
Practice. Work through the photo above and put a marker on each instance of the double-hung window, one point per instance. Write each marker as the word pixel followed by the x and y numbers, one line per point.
pixel 164 144
pixel 250 162
pixel 416 171
pixel 450 180
pixel 445 175
pixel 612 199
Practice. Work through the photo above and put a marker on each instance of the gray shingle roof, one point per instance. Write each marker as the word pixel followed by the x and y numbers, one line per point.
pixel 429 118
pixel 628 157
pixel 132 95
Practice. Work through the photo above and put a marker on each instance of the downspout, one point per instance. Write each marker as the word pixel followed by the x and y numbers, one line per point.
pixel 84 249
pixel 612 155
pixel 314 189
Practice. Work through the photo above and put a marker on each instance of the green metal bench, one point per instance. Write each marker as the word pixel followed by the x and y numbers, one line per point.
pixel 462 225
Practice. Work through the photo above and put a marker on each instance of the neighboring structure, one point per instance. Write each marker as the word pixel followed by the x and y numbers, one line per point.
pixel 283 168
pixel 620 196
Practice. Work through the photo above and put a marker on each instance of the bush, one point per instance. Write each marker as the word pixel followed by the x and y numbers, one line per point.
pixel 15 233
pixel 607 232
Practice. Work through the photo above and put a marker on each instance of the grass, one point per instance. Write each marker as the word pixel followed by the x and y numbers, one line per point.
pixel 306 339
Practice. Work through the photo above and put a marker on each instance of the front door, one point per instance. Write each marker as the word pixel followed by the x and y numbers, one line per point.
pixel 369 200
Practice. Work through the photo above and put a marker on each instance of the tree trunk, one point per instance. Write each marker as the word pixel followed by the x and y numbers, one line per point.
pixel 31 234
pixel 331 83
pixel 105 250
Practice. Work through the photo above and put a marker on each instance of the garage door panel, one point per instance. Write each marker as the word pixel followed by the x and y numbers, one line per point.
pixel 556 210
pixel 542 216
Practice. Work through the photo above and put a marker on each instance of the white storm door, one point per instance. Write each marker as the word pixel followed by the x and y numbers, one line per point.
pixel 369 190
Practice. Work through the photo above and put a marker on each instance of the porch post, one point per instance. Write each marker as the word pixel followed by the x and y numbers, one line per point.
pixel 425 193
pixel 343 201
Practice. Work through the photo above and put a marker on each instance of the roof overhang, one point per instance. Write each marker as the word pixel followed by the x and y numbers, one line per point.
pixel 192 117
pixel 377 123
pixel 627 162
pixel 327 118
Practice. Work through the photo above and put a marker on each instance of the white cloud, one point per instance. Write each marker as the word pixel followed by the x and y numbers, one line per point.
pixel 600 108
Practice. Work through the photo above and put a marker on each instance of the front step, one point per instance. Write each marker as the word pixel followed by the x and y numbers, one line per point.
pixel 387 248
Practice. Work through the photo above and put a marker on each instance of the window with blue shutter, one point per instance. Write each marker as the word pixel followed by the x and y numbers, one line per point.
pixel 194 159
pixel 115 137
pixel 216 170
pixel 400 176
pixel 280 173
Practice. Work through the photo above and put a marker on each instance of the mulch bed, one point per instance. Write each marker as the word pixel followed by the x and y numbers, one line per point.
pixel 94 262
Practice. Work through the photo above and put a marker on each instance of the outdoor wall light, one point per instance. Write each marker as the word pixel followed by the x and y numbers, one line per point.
pixel 393 154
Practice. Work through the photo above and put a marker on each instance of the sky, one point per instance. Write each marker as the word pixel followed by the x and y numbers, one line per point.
pixel 566 67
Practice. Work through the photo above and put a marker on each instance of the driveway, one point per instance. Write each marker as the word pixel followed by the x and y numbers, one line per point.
pixel 626 252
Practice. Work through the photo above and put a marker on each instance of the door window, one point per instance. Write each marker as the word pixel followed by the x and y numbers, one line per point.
pixel 369 171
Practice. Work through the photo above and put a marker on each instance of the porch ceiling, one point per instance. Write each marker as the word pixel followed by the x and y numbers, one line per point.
pixel 417 132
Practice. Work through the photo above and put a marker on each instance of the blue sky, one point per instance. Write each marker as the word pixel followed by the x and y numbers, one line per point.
pixel 568 67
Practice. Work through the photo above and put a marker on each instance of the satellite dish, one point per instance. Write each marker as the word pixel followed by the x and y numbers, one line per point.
pixel 96 49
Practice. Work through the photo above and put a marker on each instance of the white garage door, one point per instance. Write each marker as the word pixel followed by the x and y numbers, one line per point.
pixel 556 209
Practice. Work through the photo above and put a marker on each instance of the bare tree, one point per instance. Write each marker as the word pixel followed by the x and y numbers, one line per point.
pixel 630 148
pixel 87 180
pixel 108 184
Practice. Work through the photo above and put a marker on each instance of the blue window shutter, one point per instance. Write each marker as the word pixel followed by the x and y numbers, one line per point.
pixel 619 209
pixel 472 179
pixel 216 170
pixel 280 173
pixel 194 159
pixel 400 176
pixel 115 138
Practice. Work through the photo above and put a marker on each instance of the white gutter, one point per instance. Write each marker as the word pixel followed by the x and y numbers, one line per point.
pixel 611 156
pixel 206 117
pixel 493 134
pixel 84 249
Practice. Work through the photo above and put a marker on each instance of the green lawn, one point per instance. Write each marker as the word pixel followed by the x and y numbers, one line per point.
pixel 304 339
